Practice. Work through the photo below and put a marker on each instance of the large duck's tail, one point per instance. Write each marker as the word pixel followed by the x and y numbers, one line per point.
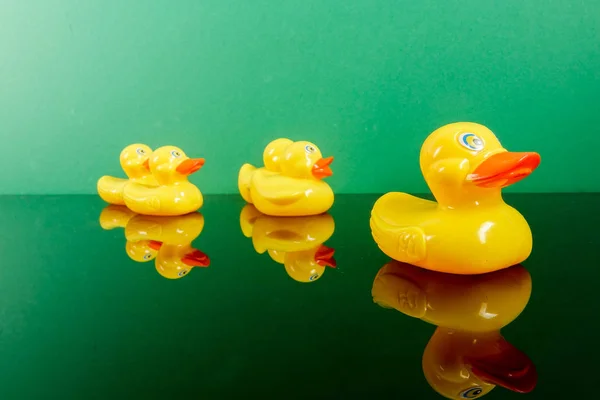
pixel 111 189
pixel 244 180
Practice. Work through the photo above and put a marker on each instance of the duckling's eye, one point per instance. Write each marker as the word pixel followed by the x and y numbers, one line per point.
pixel 147 256
pixel 310 149
pixel 313 277
pixel 471 393
pixel 471 141
pixel 183 272
pixel 140 151
pixel 176 154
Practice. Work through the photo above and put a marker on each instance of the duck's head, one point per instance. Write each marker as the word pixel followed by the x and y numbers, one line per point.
pixel 468 157
pixel 169 164
pixel 304 160
pixel 142 251
pixel 274 153
pixel 477 303
pixel 468 365
pixel 134 160
pixel 309 265
pixel 174 262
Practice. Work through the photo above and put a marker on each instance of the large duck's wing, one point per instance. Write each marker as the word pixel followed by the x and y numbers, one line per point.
pixel 278 189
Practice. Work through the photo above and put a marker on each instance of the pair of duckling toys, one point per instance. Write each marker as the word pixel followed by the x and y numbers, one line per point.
pixel 469 229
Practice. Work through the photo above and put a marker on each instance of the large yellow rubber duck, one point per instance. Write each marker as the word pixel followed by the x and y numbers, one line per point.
pixel 134 162
pixel 469 230
pixel 290 183
pixel 467 356
pixel 115 216
pixel 295 242
pixel 174 195
pixel 172 237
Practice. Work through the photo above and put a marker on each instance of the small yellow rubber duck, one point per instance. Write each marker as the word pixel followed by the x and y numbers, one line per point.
pixel 174 195
pixel 295 242
pixel 467 356
pixel 470 230
pixel 134 162
pixel 172 238
pixel 115 216
pixel 290 184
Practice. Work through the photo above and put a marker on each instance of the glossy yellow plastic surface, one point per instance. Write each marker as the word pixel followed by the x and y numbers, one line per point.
pixel 134 162
pixel 174 194
pixel 291 181
pixel 295 242
pixel 167 240
pixel 467 356
pixel 470 229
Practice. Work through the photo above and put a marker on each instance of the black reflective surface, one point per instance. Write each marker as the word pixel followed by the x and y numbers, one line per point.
pixel 81 319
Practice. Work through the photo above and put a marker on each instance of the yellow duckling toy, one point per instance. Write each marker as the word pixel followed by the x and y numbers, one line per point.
pixel 467 356
pixel 134 162
pixel 290 184
pixel 174 195
pixel 172 238
pixel 114 216
pixel 296 242
pixel 470 230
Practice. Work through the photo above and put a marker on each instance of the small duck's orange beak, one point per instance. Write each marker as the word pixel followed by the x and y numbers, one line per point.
pixel 146 164
pixel 504 169
pixel 189 166
pixel 324 256
pixel 196 258
pixel 154 245
pixel 321 168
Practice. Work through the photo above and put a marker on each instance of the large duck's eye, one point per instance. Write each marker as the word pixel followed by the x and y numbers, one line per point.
pixel 176 154
pixel 471 393
pixel 313 277
pixel 182 272
pixel 140 151
pixel 471 141
pixel 309 149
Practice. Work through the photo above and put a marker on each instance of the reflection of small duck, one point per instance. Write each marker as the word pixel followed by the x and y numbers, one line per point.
pixel 290 183
pixel 295 242
pixel 134 162
pixel 174 195
pixel 466 356
pixel 465 167
pixel 165 239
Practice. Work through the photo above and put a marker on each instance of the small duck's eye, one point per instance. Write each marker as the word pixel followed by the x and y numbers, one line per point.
pixel 310 149
pixel 183 272
pixel 147 256
pixel 176 154
pixel 140 151
pixel 471 393
pixel 471 141
pixel 313 277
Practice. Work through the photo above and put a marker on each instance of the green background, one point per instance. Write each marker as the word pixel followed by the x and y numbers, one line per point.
pixel 367 80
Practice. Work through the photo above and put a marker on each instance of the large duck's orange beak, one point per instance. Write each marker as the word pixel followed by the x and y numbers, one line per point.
pixel 503 169
pixel 190 166
pixel 324 256
pixel 196 258
pixel 321 168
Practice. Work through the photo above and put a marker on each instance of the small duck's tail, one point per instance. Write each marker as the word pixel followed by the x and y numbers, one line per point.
pixel 111 189
pixel 244 179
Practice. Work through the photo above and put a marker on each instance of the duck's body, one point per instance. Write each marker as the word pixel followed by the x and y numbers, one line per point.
pixel 290 182
pixel 134 162
pixel 174 195
pixel 470 229
pixel 295 242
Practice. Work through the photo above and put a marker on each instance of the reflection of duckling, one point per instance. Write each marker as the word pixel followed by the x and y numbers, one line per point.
pixel 134 162
pixel 174 195
pixel 295 242
pixel 290 183
pixel 470 229
pixel 467 356
pixel 114 216
pixel 172 238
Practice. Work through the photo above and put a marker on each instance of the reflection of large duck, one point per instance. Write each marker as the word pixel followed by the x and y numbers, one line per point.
pixel 168 240
pixel 295 242
pixel 467 356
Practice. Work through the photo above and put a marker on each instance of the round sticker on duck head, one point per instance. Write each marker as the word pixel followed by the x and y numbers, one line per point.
pixel 471 141
pixel 471 393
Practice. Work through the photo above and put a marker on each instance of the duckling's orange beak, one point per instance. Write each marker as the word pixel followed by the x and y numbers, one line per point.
pixel 146 164
pixel 324 256
pixel 321 168
pixel 196 258
pixel 190 166
pixel 503 169
pixel 154 245
pixel 509 368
